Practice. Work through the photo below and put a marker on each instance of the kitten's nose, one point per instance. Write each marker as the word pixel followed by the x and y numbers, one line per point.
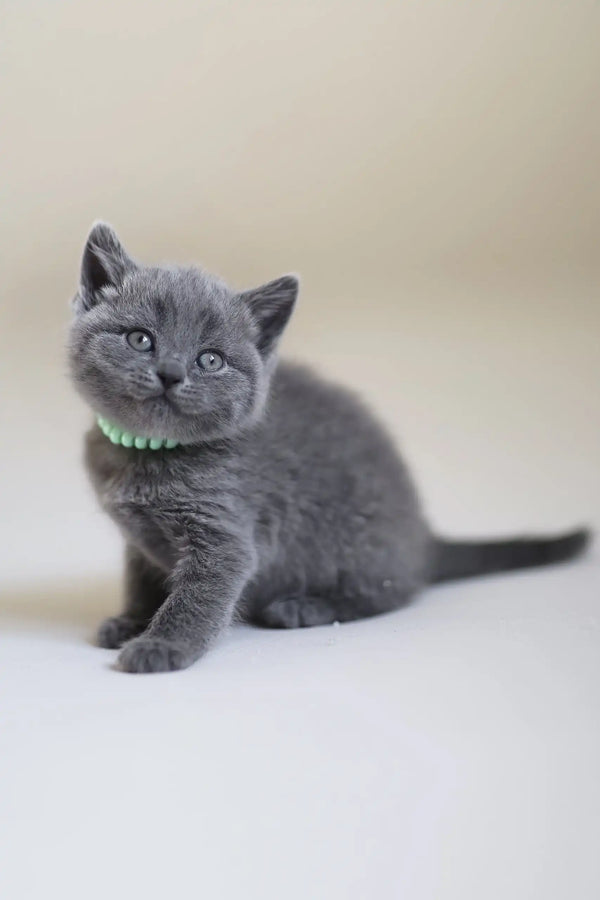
pixel 170 372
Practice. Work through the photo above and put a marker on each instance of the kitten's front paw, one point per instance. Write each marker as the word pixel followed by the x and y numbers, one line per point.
pixel 116 631
pixel 151 654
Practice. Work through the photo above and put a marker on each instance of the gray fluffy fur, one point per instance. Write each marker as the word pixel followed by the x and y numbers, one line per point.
pixel 285 504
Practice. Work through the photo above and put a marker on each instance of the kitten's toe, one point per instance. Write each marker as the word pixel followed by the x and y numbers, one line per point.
pixel 280 614
pixel 149 654
pixel 296 612
pixel 114 632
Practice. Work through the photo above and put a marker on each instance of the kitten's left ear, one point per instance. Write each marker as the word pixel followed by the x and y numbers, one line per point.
pixel 271 306
pixel 104 264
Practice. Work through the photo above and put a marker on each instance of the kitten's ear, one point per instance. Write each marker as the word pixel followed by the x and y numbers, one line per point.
pixel 105 262
pixel 271 306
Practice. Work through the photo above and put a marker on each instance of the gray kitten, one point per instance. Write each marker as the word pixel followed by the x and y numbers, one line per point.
pixel 243 487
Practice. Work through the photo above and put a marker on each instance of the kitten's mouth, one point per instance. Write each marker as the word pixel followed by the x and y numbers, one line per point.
pixel 164 408
pixel 162 401
pixel 166 405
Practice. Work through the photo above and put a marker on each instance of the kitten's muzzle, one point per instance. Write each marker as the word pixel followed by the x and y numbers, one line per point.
pixel 170 372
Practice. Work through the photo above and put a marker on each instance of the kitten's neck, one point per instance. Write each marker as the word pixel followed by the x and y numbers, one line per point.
pixel 118 435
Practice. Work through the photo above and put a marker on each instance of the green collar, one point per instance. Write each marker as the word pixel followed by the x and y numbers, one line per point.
pixel 127 439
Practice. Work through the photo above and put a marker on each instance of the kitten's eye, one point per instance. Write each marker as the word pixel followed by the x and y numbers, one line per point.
pixel 140 340
pixel 210 361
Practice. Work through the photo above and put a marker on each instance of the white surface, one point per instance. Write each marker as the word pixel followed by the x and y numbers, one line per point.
pixel 448 750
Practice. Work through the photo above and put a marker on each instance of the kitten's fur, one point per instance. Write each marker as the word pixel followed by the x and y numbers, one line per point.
pixel 285 504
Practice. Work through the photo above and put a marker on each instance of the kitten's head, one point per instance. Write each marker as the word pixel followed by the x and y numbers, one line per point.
pixel 172 352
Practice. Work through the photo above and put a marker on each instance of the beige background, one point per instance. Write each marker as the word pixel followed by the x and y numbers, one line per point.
pixel 429 168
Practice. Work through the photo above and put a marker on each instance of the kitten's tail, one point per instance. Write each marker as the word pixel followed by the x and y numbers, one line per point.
pixel 465 559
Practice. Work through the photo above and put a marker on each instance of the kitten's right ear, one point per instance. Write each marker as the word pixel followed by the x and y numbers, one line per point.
pixel 271 307
pixel 105 263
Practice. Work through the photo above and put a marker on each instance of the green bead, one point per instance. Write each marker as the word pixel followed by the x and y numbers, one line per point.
pixel 141 443
pixel 127 439
pixel 170 444
pixel 115 435
pixel 155 443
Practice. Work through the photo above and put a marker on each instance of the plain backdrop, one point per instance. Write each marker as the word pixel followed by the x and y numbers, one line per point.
pixel 431 171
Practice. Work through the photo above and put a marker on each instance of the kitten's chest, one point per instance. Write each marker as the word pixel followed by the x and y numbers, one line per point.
pixel 150 500
pixel 149 519
pixel 151 513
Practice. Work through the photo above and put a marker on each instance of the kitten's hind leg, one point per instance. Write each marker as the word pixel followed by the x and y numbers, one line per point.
pixel 117 630
pixel 307 611
pixel 145 592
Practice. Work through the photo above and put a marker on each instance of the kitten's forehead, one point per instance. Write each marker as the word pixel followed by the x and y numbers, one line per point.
pixel 187 288
pixel 183 300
